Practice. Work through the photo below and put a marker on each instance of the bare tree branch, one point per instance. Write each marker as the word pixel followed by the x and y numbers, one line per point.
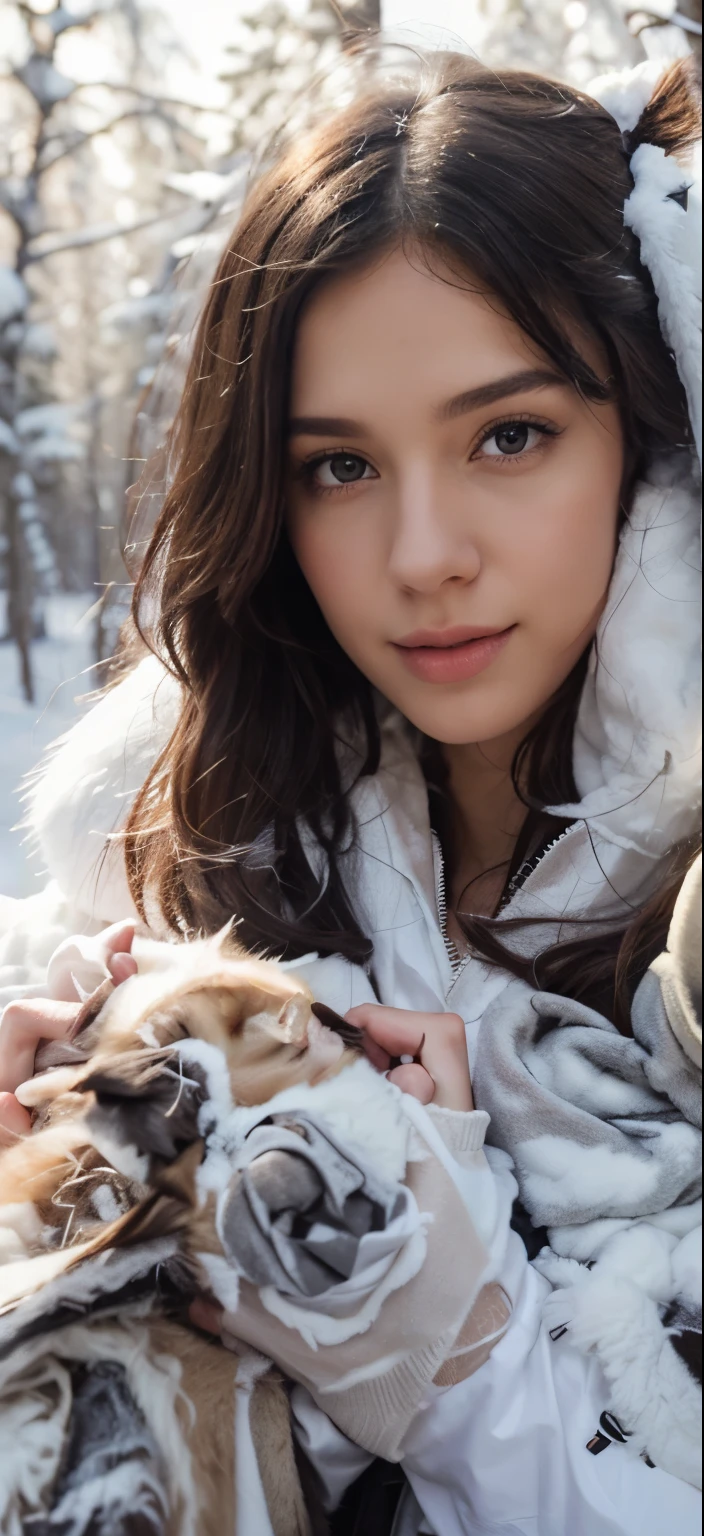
pixel 60 20
pixel 50 244
pixel 133 90
pixel 84 136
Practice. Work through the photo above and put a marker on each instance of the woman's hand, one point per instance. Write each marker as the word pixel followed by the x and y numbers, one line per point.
pixel 437 1069
pixel 24 1023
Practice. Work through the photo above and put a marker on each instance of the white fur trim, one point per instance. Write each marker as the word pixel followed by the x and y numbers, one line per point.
pixel 687 1268
pixel 93 788
pixel 153 1381
pixel 670 238
pixel 670 247
pixel 222 1278
pixel 625 93
pixel 652 1393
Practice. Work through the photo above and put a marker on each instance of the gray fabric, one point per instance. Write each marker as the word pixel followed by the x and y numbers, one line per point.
pixel 668 1068
pixel 598 1125
pixel 295 1211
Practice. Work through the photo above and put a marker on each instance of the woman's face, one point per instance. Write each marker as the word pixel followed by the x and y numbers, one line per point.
pixel 453 504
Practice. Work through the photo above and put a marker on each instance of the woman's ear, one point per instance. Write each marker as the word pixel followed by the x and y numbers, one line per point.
pixel 672 117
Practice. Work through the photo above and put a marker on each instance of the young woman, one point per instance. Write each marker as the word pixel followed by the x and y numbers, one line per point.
pixel 421 703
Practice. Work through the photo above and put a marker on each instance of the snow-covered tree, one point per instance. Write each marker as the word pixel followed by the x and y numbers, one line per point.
pixel 275 50
pixel 54 210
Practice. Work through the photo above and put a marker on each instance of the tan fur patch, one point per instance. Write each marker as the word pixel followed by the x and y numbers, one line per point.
pixel 270 1423
pixel 207 1414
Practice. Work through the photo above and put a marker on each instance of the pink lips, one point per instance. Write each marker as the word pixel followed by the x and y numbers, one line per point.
pixel 451 655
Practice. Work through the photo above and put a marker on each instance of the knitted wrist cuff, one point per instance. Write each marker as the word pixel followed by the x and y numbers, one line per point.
pixel 462 1130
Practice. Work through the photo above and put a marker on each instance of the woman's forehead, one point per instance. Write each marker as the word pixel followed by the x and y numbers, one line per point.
pixel 400 330
pixel 364 329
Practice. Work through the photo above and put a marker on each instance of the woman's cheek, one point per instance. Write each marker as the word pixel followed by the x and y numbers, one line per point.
pixel 578 560
pixel 341 566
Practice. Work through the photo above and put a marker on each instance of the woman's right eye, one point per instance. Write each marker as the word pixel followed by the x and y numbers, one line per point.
pixel 337 470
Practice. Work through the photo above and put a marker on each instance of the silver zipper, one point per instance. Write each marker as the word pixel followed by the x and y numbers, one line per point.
pixel 529 866
pixel 457 960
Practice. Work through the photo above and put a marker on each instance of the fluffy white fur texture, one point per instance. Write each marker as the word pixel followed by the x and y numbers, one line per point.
pixel 586 1241
pixel 666 1264
pixel 625 93
pixel 652 1393
pixel 83 1284
pixel 86 775
pixel 687 1268
pixel 670 247
pixel 670 238
pixel 360 1106
pixel 153 1382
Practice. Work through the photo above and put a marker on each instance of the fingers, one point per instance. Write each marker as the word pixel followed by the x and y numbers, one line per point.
pixel 81 964
pixel 397 1031
pixel 412 1078
pixel 14 1120
pixel 390 1033
pixel 22 1026
pixel 121 966
pixel 118 938
pixel 437 1041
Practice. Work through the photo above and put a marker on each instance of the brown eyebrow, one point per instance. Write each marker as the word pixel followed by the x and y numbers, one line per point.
pixel 325 426
pixel 459 405
pixel 499 389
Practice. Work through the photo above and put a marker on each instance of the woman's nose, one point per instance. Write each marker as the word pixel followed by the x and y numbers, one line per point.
pixel 433 538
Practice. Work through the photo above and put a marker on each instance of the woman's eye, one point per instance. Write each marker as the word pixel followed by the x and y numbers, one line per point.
pixel 340 469
pixel 512 438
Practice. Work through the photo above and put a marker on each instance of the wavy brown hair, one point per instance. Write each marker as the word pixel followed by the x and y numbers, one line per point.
pixel 518 184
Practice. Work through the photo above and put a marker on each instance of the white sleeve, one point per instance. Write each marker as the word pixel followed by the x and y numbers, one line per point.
pixel 336 1459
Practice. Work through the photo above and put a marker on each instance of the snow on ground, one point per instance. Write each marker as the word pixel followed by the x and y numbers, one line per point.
pixel 61 674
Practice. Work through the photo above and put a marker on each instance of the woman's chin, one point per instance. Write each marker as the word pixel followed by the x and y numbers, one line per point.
pixel 457 717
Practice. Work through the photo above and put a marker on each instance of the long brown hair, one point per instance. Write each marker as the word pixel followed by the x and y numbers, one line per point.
pixel 517 183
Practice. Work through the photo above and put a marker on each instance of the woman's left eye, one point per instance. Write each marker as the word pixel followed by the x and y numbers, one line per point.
pixel 511 439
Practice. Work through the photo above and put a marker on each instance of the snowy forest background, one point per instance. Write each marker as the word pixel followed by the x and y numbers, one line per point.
pixel 127 130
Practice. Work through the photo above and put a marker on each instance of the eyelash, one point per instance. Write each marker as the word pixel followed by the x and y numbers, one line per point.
pixel 520 420
pixel 306 473
pixel 307 470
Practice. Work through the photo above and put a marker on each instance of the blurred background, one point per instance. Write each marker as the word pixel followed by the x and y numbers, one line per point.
pixel 127 131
